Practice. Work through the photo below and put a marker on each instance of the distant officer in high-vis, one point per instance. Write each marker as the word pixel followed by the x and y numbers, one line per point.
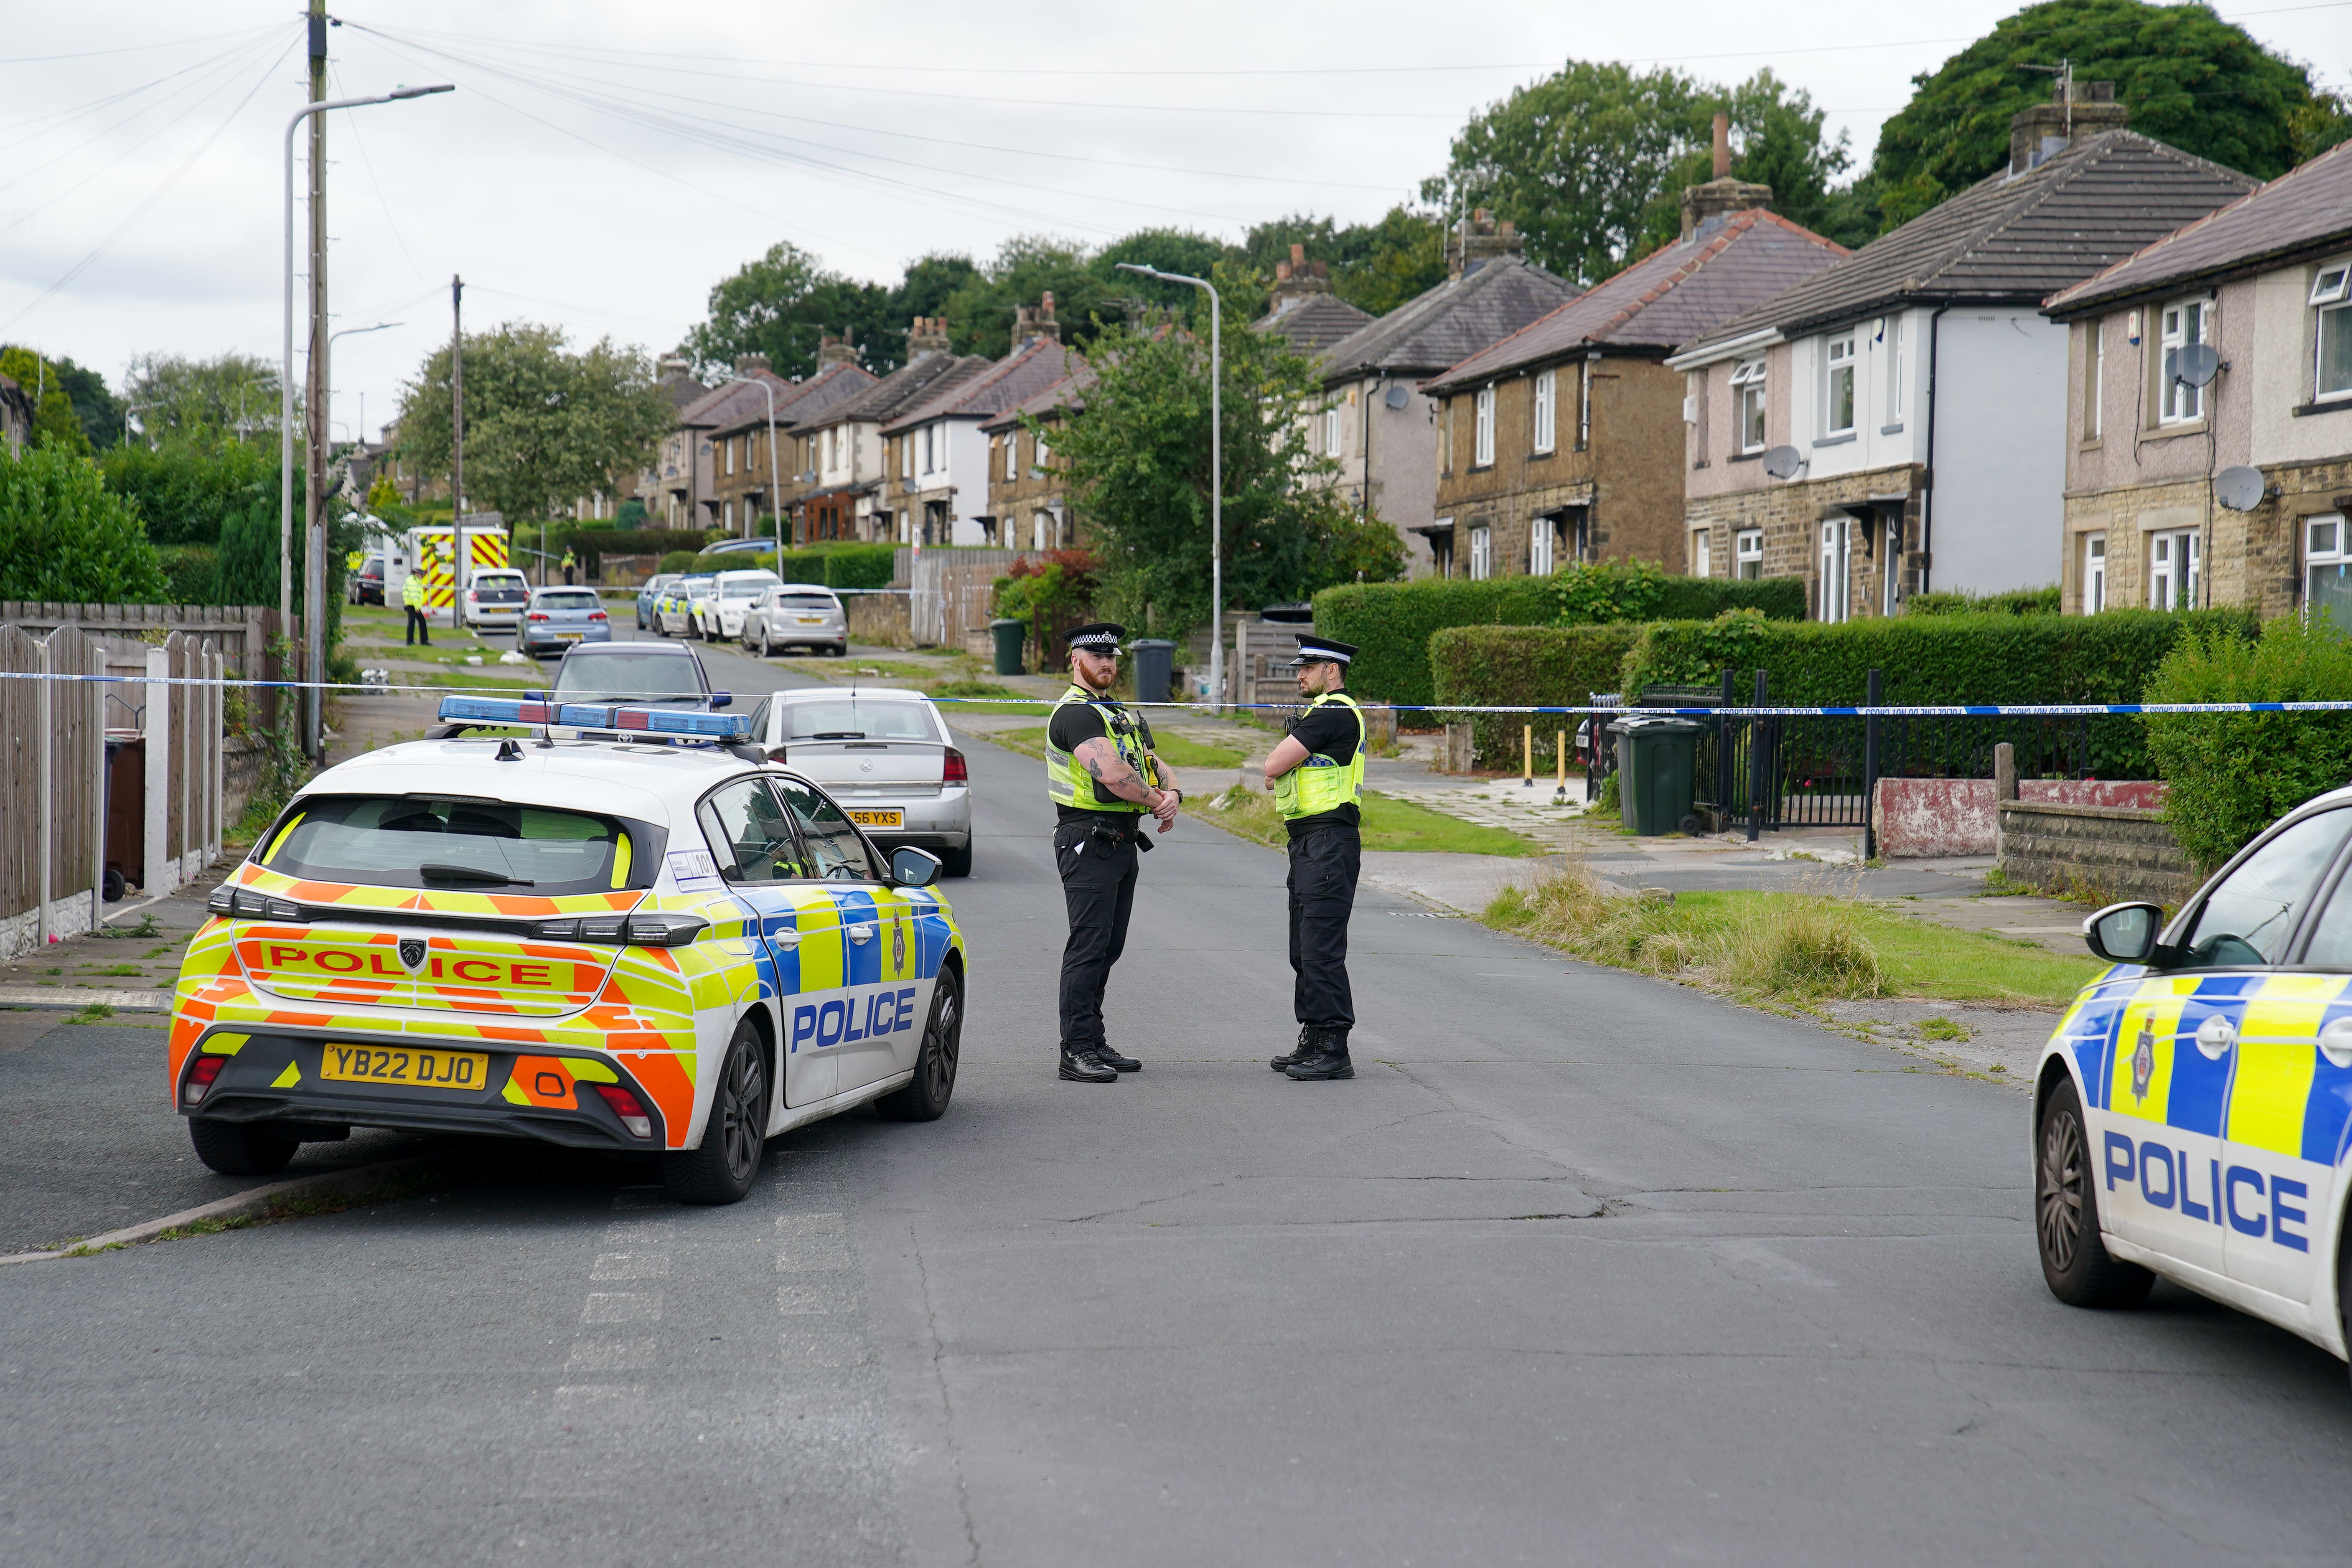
pixel 1103 779
pixel 1317 775
pixel 412 597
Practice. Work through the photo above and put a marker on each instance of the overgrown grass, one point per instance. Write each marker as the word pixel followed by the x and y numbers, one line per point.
pixel 1791 947
pixel 1389 824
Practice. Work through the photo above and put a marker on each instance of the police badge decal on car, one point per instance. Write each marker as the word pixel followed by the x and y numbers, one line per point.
pixel 2143 1062
pixel 412 952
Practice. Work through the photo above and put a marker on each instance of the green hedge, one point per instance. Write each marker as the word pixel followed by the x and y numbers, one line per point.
pixel 1392 622
pixel 191 573
pixel 2016 601
pixel 1534 666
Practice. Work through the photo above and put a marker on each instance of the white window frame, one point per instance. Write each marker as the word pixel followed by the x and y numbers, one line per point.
pixel 2181 325
pixel 2095 572
pixel 1838 380
pixel 1037 458
pixel 1897 360
pixel 1543 536
pixel 906 456
pixel 1012 453
pixel 2094 379
pixel 2170 549
pixel 2331 300
pixel 1837 570
pixel 1481 553
pixel 1748 549
pixel 1547 410
pixel 1747 392
pixel 2325 550
pixel 1482 440
pixel 1583 404
pixel 1332 425
pixel 727 456
pixel 1702 552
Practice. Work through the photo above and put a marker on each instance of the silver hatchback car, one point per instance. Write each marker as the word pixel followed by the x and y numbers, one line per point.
pixel 883 753
pixel 797 615
pixel 558 619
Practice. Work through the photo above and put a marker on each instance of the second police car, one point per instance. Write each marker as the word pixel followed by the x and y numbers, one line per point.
pixel 645 945
pixel 2192 1108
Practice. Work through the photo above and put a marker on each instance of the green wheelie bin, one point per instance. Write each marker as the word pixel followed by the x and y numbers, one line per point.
pixel 1656 760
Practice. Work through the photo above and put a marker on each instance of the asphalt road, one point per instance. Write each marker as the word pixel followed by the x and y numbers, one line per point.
pixel 1582 1268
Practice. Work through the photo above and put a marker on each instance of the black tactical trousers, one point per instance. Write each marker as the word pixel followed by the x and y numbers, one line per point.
pixel 1323 866
pixel 1099 886
pixel 420 630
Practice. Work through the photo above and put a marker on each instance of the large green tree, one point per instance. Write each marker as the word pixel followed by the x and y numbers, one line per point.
pixel 53 421
pixel 544 425
pixel 97 410
pixel 231 396
pixel 185 489
pixel 1776 140
pixel 2187 78
pixel 781 306
pixel 64 535
pixel 1138 456
pixel 1376 266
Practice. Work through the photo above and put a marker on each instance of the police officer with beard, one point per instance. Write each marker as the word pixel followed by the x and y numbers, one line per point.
pixel 1317 775
pixel 1103 779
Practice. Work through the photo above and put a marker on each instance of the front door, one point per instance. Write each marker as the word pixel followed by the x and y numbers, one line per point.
pixel 750 835
pixel 886 992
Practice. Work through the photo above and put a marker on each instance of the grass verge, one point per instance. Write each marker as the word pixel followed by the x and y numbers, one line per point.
pixel 1389 824
pixel 1793 947
pixel 416 1184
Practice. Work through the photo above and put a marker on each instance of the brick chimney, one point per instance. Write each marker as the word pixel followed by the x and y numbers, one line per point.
pixel 928 335
pixel 1480 239
pixel 1296 281
pixel 1031 322
pixel 751 364
pixel 1704 205
pixel 2076 109
pixel 831 349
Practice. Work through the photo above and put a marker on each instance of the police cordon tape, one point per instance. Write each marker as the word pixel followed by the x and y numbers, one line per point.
pixel 1926 710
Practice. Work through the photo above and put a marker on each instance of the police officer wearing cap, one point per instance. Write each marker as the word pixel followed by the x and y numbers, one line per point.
pixel 1104 780
pixel 1317 775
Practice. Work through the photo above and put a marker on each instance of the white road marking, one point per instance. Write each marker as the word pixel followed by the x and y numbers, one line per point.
pixel 630 1266
pixel 623 1307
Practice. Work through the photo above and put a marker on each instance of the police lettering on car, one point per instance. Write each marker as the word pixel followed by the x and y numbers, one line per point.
pixel 1317 775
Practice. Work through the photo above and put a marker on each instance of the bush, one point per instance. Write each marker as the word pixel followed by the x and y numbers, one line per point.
pixel 1534 666
pixel 1392 622
pixel 860 565
pixel 64 535
pixel 185 491
pixel 191 572
pixel 1936 659
pixel 632 514
pixel 2016 601
pixel 677 560
pixel 2232 775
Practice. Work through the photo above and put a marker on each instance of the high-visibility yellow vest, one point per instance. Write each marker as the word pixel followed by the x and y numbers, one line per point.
pixel 411 592
pixel 1066 779
pixel 1319 785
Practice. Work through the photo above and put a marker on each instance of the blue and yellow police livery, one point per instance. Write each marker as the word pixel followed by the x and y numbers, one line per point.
pixel 2193 1107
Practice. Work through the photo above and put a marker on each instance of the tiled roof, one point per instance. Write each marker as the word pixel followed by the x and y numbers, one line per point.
pixel 924 377
pixel 2014 238
pixel 1450 322
pixel 1070 392
pixel 682 390
pixel 1031 368
pixel 2306 209
pixel 731 402
pixel 808 398
pixel 1665 299
pixel 1312 322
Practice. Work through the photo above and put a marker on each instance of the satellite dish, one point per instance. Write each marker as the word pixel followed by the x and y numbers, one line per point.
pixel 1782 462
pixel 2196 364
pixel 2240 487
pixel 1397 398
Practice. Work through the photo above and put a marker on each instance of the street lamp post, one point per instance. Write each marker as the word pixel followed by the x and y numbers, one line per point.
pixel 1216 476
pixel 315 579
pixel 775 475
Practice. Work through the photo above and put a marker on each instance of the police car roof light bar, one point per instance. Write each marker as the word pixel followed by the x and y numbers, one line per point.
pixel 663 722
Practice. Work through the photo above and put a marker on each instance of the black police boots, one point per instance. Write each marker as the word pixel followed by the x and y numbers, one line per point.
pixel 1298 1053
pixel 1088 1067
pixel 1325 1055
pixel 1111 1058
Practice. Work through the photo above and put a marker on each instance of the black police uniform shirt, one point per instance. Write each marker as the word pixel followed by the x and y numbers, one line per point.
pixel 1075 722
pixel 1330 731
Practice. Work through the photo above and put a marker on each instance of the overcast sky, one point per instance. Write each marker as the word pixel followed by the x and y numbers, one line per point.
pixel 602 164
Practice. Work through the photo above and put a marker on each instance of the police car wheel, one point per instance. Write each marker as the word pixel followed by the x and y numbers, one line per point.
pixel 239 1147
pixel 734 1136
pixel 2074 1260
pixel 925 1098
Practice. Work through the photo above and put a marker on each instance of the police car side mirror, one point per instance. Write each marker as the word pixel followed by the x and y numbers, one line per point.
pixel 913 868
pixel 2124 934
pixel 722 699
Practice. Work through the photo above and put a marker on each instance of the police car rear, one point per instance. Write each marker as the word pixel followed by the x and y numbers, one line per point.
pixel 2192 1108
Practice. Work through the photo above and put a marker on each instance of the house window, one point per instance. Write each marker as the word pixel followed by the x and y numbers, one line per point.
pixel 1543 533
pixel 2327 569
pixel 1897 369
pixel 1583 404
pixel 1837 568
pixel 1012 456
pixel 1332 419
pixel 1838 389
pixel 726 451
pixel 1702 552
pixel 2183 327
pixel 1547 409
pixel 2095 572
pixel 906 456
pixel 1044 452
pixel 1484 445
pixel 2331 292
pixel 1481 553
pixel 1748 554
pixel 2172 570
pixel 1747 402
pixel 2094 377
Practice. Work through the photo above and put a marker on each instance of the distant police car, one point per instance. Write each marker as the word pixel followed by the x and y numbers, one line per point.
pixel 2192 1110
pixel 661 944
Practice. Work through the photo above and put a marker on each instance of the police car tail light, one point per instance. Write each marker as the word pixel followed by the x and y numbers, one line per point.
pixel 627 1107
pixel 664 931
pixel 233 900
pixel 201 1077
pixel 957 772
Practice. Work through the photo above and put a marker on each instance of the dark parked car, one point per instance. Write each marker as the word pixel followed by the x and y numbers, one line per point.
pixel 366 585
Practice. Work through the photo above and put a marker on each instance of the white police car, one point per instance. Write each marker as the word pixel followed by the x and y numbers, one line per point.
pixel 663 944
pixel 2193 1107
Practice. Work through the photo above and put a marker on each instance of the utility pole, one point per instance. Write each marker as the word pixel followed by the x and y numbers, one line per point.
pixel 315 394
pixel 456 401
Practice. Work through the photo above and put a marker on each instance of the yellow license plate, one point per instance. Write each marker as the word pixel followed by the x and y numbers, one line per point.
pixel 878 819
pixel 405 1065
pixel 810 620
pixel 570 636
